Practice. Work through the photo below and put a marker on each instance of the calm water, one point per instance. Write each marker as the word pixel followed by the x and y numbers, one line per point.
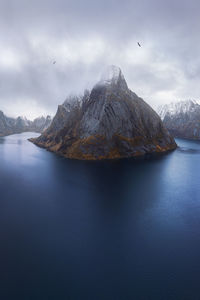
pixel 98 230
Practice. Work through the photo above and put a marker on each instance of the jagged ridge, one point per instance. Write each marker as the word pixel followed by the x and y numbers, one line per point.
pixel 182 118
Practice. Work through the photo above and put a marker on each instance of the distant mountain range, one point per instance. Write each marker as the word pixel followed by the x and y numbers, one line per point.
pixel 21 124
pixel 182 119
pixel 108 122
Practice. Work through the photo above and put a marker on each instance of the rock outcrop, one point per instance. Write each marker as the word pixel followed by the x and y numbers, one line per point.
pixel 107 123
pixel 21 124
pixel 182 119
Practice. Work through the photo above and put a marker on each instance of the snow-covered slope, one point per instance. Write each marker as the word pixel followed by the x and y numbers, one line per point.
pixel 181 107
pixel 182 118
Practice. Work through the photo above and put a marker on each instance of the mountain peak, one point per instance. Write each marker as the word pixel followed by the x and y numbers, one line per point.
pixel 112 75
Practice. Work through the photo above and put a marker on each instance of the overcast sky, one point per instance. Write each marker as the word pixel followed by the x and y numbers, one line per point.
pixel 85 36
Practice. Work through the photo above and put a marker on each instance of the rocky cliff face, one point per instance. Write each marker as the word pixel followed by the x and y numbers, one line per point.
pixel 182 118
pixel 109 122
pixel 21 124
pixel 6 124
pixel 40 124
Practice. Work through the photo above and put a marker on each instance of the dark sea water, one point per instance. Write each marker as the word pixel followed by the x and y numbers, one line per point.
pixel 98 230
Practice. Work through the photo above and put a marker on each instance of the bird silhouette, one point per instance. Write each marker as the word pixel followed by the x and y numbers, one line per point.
pixel 54 62
pixel 139 44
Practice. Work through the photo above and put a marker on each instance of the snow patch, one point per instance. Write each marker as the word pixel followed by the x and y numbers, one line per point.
pixel 175 108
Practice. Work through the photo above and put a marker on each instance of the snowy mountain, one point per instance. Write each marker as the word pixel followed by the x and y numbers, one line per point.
pixel 182 118
pixel 108 122
pixel 175 108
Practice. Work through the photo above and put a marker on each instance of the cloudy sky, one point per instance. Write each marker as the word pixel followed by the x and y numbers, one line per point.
pixel 85 36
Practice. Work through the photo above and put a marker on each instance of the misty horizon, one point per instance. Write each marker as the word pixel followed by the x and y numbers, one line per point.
pixel 83 38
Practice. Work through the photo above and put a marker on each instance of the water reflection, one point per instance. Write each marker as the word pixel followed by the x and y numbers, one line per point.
pixel 188 151
pixel 98 230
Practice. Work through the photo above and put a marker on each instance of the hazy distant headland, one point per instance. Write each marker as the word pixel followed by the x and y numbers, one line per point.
pixel 21 124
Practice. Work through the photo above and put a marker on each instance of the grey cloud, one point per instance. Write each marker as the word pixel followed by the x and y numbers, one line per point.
pixel 168 60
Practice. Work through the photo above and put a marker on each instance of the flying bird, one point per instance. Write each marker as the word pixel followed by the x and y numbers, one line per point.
pixel 54 62
pixel 139 44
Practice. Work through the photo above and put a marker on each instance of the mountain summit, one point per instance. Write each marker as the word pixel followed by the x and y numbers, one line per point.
pixel 112 75
pixel 108 122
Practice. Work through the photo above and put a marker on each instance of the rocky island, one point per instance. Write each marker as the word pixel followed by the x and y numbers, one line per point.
pixel 108 122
